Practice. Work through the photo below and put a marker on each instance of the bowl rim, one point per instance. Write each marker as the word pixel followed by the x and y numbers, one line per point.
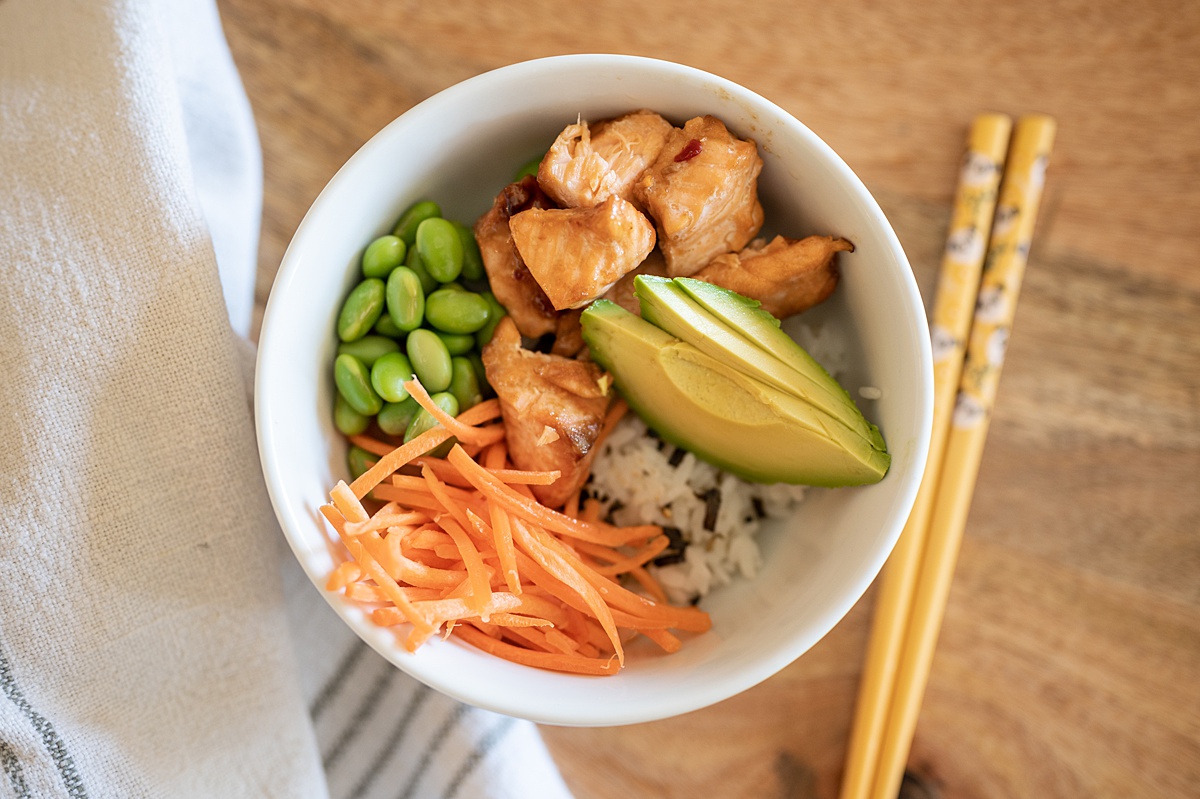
pixel 905 494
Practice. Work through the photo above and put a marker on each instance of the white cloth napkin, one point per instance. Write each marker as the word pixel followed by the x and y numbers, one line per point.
pixel 144 634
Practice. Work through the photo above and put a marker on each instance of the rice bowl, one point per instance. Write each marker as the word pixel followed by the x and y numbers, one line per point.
pixel 815 562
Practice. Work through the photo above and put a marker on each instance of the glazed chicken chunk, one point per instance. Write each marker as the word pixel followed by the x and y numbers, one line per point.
pixel 553 410
pixel 702 192
pixel 576 254
pixel 515 288
pixel 585 166
pixel 787 276
pixel 622 291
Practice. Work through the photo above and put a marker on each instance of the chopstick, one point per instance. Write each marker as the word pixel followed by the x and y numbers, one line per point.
pixel 917 578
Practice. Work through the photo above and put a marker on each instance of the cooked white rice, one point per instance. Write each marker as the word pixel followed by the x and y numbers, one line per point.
pixel 640 479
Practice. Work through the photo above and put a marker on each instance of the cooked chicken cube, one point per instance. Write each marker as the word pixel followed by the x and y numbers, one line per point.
pixel 573 173
pixel 702 193
pixel 511 281
pixel 553 410
pixel 576 254
pixel 630 144
pixel 622 291
pixel 787 276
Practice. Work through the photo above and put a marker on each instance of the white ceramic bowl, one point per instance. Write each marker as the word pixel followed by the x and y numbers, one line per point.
pixel 459 148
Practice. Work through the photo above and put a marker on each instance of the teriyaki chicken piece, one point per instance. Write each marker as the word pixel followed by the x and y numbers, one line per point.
pixel 702 192
pixel 553 409
pixel 787 275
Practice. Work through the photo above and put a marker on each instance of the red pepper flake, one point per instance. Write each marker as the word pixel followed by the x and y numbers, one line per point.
pixel 690 150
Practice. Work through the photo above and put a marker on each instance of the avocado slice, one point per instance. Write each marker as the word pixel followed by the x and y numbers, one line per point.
pixel 724 416
pixel 785 365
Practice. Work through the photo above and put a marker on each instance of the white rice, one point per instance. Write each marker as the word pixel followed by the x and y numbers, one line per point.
pixel 636 483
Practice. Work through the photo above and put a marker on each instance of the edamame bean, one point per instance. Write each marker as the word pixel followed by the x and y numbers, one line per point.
pixel 369 349
pixel 389 374
pixel 405 299
pixel 453 311
pixel 453 285
pixel 472 268
pixel 361 309
pixel 386 327
pixel 457 343
pixel 410 220
pixel 440 248
pixel 354 384
pixel 497 313
pixel 424 421
pixel 348 421
pixel 430 360
pixel 382 256
pixel 395 417
pixel 413 261
pixel 464 385
pixel 359 460
pixel 481 373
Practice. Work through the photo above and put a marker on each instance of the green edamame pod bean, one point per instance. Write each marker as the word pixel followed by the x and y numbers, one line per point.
pixel 354 384
pixel 413 261
pixel 389 374
pixel 440 248
pixel 410 220
pixel 359 460
pixel 369 349
pixel 405 298
pixel 456 311
pixel 424 421
pixel 453 285
pixel 386 327
pixel 530 168
pixel 348 421
pixel 457 343
pixel 361 309
pixel 497 313
pixel 480 372
pixel 382 256
pixel 464 385
pixel 472 268
pixel 430 360
pixel 395 417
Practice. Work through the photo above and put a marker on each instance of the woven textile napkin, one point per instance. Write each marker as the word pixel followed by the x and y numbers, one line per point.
pixel 156 639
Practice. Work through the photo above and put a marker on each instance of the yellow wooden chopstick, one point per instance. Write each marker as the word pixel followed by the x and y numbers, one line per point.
pixel 1008 250
pixel 954 303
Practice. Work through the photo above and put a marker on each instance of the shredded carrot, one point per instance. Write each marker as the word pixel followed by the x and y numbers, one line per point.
pixel 460 546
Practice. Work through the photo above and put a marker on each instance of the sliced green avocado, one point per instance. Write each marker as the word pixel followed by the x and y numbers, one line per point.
pixel 786 366
pixel 732 420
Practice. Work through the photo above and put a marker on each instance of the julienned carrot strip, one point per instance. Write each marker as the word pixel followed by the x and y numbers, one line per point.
pixel 525 477
pixel 571 508
pixel 347 573
pixel 668 641
pixel 347 503
pixel 367 592
pixel 533 541
pixel 396 458
pixel 530 510
pixel 445 471
pixel 463 432
pixel 443 495
pixel 496 455
pixel 615 414
pixel 505 551
pixel 515 620
pixel 388 553
pixel 477 573
pixel 371 445
pixel 638 558
pixel 376 573
pixel 591 510
pixel 647 581
pixel 545 660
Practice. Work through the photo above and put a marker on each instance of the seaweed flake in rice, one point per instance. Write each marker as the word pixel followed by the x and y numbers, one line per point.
pixel 710 517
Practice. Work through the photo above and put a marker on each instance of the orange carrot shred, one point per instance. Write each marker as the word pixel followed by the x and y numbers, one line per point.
pixel 463 432
pixel 546 660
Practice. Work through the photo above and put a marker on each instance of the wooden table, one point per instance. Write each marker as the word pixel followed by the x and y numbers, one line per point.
pixel 1069 664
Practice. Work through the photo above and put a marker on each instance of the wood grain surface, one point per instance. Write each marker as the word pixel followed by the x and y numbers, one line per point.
pixel 1069 663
